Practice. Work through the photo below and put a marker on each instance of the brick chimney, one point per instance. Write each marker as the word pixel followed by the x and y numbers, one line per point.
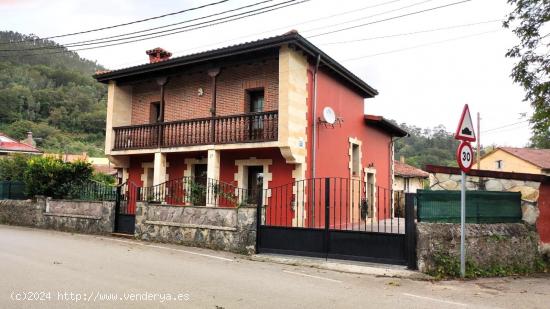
pixel 29 140
pixel 158 54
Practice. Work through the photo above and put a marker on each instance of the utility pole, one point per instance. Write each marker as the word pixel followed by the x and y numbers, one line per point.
pixel 478 141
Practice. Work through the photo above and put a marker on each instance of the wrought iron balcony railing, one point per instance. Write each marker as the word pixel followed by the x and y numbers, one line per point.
pixel 244 128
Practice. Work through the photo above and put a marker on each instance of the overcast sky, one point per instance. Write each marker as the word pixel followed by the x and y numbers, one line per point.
pixel 423 79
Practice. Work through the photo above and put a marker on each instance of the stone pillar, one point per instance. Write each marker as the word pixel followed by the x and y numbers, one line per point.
pixel 213 174
pixel 159 168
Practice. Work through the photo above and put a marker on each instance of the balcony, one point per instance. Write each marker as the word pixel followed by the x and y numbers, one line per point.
pixel 244 128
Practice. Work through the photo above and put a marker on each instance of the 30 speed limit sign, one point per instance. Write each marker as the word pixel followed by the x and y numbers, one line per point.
pixel 465 156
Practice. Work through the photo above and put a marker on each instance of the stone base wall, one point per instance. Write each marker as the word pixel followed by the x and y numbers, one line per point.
pixel 228 229
pixel 90 217
pixel 487 245
pixel 23 213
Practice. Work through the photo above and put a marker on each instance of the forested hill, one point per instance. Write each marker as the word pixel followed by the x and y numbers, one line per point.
pixel 427 146
pixel 51 94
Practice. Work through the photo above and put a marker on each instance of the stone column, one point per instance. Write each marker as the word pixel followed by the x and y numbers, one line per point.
pixel 159 168
pixel 213 174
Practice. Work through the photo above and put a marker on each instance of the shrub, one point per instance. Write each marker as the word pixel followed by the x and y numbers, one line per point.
pixel 54 178
pixel 13 167
pixel 104 178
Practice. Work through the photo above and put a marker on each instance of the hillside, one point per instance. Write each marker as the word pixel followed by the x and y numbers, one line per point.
pixel 427 146
pixel 51 94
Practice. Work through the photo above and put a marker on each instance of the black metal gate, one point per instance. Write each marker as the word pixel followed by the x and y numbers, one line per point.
pixel 125 208
pixel 332 218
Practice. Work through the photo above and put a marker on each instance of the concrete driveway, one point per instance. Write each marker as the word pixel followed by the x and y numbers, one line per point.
pixel 48 269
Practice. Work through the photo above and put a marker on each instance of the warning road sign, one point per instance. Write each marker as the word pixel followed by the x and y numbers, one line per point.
pixel 465 130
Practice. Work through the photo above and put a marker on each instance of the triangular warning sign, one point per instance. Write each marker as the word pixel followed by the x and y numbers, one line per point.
pixel 465 130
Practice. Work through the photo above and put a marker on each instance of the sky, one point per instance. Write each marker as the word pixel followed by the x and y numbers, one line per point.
pixel 424 79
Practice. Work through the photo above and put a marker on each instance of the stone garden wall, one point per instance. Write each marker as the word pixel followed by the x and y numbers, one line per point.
pixel 510 245
pixel 229 229
pixel 90 217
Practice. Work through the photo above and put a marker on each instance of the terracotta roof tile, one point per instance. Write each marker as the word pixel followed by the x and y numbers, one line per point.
pixel 8 144
pixel 538 157
pixel 402 169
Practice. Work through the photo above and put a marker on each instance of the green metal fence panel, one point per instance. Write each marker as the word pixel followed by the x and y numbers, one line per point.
pixel 12 190
pixel 481 206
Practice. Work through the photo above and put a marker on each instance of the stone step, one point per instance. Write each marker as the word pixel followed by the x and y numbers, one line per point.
pixel 122 235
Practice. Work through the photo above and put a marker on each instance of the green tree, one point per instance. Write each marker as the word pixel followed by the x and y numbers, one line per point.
pixel 532 71
pixel 13 167
pixel 54 178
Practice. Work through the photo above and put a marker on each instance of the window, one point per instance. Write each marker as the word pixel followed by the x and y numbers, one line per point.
pixel 355 163
pixel 499 164
pixel 256 100
pixel 154 113
pixel 256 105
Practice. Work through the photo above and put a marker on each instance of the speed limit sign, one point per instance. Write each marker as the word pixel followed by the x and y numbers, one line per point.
pixel 465 156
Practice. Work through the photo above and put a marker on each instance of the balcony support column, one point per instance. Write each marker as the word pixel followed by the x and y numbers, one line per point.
pixel 159 168
pixel 213 174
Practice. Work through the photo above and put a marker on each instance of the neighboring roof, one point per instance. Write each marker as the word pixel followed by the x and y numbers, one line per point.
pixel 8 144
pixel 385 125
pixel 405 170
pixel 538 157
pixel 291 37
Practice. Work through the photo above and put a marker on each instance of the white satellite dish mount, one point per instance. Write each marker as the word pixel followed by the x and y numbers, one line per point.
pixel 329 117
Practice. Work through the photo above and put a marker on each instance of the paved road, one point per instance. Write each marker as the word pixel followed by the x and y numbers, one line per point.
pixel 48 264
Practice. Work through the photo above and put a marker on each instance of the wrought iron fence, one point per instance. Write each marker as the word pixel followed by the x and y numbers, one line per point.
pixel 197 191
pixel 92 191
pixel 340 203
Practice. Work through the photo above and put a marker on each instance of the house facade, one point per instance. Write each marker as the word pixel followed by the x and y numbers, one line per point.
pixel 235 113
pixel 408 178
pixel 517 160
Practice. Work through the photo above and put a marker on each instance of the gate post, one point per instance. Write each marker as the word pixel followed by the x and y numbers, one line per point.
pixel 327 215
pixel 259 206
pixel 117 207
pixel 410 230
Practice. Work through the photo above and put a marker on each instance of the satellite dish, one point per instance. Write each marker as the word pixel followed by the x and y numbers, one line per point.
pixel 328 115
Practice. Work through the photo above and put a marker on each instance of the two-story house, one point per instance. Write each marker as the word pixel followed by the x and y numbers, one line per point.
pixel 232 113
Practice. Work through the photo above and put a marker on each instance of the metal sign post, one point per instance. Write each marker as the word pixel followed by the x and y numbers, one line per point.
pixel 462 225
pixel 465 158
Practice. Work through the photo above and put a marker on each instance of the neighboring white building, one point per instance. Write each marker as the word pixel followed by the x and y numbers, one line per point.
pixel 408 178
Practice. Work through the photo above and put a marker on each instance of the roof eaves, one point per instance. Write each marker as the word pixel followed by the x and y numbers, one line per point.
pixel 289 38
pixel 385 125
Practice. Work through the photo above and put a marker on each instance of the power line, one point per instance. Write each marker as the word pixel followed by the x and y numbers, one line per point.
pixel 281 28
pixel 105 39
pixel 166 34
pixel 290 26
pixel 370 16
pixel 390 18
pixel 508 129
pixel 254 12
pixel 123 24
pixel 412 33
pixel 505 126
pixel 422 45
